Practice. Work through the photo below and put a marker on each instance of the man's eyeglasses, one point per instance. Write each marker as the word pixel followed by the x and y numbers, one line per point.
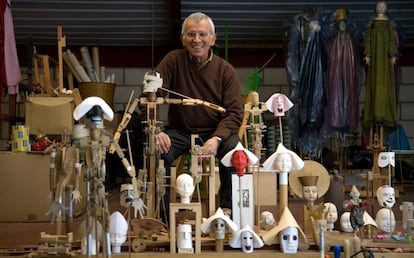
pixel 193 34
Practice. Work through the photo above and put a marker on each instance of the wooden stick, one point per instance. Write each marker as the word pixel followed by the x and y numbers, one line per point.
pixel 61 44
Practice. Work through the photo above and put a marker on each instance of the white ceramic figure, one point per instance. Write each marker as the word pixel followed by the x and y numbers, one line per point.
pixel 386 196
pixel 385 220
pixel 246 239
pixel 185 187
pixel 267 220
pixel 289 240
pixel 331 215
pixel 346 222
pixel 118 229
pixel 184 237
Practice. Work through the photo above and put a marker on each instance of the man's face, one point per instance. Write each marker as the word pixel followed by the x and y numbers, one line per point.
pixel 197 39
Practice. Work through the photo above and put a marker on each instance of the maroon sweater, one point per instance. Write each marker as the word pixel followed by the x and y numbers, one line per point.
pixel 216 82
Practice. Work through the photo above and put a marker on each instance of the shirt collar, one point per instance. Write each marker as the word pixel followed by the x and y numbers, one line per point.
pixel 201 65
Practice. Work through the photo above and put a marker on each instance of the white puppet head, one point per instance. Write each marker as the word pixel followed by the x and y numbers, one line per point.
pixel 246 239
pixel 331 214
pixel 278 104
pixel 283 160
pixel 220 224
pixel 345 222
pixel 385 220
pixel 118 229
pixel 289 240
pixel 185 187
pixel 386 196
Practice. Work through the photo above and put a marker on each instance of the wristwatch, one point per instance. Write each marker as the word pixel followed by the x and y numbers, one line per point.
pixel 219 139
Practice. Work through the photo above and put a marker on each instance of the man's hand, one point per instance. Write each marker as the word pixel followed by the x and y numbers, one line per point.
pixel 163 142
pixel 210 146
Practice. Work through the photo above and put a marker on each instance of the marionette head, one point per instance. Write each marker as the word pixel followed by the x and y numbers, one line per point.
pixel 385 220
pixel 283 160
pixel 278 104
pixel 386 196
pixel 355 194
pixel 118 229
pixel 184 238
pixel 309 187
pixel 95 109
pixel 127 195
pixel 239 161
pixel 246 239
pixel 239 158
pixel 185 187
pixel 289 240
pixel 220 224
pixel 267 220
pixel 331 213
pixel 152 81
pixel 381 7
pixel 345 222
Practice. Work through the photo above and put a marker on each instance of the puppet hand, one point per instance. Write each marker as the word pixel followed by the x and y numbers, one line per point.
pixel 76 196
pixel 139 206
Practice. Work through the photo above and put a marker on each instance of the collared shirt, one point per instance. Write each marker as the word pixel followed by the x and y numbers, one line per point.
pixel 203 64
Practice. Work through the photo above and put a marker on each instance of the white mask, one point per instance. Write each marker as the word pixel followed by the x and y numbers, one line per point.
pixel 386 196
pixel 247 242
pixel 289 240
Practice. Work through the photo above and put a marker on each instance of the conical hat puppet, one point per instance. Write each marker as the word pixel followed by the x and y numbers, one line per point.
pixel 236 242
pixel 311 171
pixel 278 104
pixel 286 220
pixel 270 164
pixel 208 226
pixel 227 159
pixel 90 102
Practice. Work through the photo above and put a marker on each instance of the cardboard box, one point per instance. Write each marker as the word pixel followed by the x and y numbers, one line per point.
pixel 25 187
pixel 49 115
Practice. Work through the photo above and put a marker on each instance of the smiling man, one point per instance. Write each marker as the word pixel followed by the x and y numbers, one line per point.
pixel 197 73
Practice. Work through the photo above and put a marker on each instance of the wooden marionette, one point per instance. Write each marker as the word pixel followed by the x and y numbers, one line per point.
pixel 256 126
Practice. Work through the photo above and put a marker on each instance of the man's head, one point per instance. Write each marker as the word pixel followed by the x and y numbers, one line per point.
pixel 198 35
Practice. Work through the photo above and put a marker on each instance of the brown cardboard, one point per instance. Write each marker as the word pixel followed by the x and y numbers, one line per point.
pixel 25 188
pixel 49 115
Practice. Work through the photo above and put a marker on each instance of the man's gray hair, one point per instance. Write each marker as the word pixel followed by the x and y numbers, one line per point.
pixel 196 17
